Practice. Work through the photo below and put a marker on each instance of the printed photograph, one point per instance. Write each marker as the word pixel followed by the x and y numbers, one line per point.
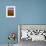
pixel 29 34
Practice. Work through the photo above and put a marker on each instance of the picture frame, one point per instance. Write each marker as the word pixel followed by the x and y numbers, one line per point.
pixel 10 11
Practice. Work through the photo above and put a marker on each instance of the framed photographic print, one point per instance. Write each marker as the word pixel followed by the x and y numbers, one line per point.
pixel 11 11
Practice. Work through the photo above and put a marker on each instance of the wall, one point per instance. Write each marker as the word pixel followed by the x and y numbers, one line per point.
pixel 27 12
pixel 7 25
pixel 31 11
